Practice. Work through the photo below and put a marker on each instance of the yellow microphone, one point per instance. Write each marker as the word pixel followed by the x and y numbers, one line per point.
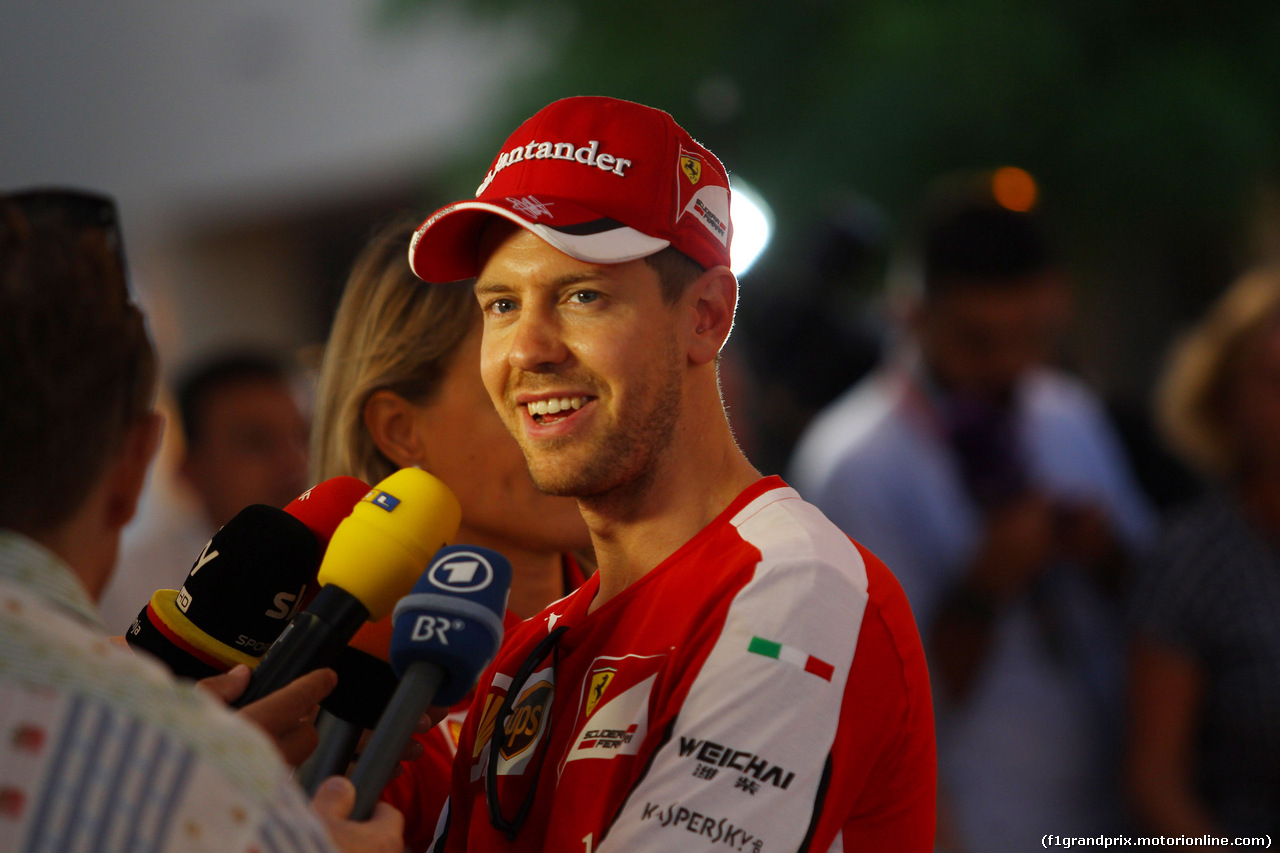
pixel 375 556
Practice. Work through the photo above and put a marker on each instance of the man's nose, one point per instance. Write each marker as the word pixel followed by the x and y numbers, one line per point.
pixel 537 343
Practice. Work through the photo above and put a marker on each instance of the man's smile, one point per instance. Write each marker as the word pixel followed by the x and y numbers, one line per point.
pixel 539 409
pixel 547 410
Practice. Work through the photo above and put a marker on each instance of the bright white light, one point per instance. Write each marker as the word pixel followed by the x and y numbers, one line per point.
pixel 752 226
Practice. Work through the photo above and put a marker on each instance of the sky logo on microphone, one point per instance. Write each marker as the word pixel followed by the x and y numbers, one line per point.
pixel 461 571
pixel 382 500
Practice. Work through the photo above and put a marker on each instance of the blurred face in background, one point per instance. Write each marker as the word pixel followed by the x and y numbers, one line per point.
pixel 978 339
pixel 252 448
pixel 467 446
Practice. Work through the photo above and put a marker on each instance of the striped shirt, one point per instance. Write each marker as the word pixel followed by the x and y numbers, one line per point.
pixel 102 750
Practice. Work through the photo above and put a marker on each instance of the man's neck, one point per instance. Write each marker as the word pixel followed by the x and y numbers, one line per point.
pixel 537 577
pixel 636 527
pixel 86 545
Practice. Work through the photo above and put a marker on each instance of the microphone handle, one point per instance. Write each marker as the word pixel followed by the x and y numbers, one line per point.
pixel 312 640
pixel 380 758
pixel 339 740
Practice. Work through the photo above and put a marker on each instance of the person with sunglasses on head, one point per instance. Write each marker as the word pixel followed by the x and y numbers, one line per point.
pixel 103 749
pixel 738 672
pixel 400 387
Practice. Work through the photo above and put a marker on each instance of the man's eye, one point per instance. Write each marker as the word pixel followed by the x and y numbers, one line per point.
pixel 502 306
pixel 582 297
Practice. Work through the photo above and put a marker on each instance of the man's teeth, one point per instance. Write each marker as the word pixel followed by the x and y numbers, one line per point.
pixel 555 406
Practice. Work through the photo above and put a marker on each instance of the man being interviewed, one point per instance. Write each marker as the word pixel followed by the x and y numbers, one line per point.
pixel 738 673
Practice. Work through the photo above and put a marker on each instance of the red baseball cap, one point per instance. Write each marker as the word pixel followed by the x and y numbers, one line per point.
pixel 601 179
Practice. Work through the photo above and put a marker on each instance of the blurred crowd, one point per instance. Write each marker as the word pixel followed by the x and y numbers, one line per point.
pixel 1098 602
pixel 1103 631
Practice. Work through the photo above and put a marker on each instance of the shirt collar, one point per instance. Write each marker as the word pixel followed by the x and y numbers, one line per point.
pixel 28 564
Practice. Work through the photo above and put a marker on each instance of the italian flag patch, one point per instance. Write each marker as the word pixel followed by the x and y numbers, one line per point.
pixel 791 655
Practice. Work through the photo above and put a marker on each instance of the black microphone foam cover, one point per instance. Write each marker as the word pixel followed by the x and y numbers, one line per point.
pixel 365 685
pixel 248 582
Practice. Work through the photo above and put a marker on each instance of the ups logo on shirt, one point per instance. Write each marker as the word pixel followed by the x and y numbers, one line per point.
pixel 521 728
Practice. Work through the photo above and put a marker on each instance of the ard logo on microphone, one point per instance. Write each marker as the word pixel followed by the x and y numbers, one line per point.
pixel 461 571
pixel 382 500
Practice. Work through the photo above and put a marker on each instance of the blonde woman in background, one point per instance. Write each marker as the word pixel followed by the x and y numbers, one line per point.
pixel 1204 743
pixel 400 386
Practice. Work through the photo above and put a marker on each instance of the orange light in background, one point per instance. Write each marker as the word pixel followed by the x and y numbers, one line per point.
pixel 1014 188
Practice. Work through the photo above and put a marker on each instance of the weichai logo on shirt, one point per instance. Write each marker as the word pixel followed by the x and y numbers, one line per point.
pixel 753 770
pixel 520 730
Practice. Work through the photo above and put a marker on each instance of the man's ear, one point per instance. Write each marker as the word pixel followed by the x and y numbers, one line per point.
pixel 130 474
pixel 391 421
pixel 713 298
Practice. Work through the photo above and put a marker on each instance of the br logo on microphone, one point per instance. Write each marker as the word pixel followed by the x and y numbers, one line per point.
pixel 461 571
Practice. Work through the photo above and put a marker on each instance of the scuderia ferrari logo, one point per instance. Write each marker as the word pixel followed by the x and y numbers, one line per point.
pixel 692 168
pixel 616 723
pixel 707 201
pixel 599 684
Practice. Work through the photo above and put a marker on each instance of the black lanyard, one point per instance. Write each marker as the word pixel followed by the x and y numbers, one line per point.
pixel 534 659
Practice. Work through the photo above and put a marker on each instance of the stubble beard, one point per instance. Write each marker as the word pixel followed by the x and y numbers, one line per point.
pixel 625 459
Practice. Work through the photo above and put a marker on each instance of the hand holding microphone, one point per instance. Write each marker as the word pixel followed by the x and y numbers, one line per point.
pixel 374 557
pixel 287 716
pixel 445 632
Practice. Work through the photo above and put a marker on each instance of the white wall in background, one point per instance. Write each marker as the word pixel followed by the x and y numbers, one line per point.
pixel 184 107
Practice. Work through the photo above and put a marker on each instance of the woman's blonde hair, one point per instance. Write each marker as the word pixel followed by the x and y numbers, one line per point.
pixel 1194 395
pixel 392 331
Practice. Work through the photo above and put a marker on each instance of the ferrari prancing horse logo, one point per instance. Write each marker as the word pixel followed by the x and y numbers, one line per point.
pixel 599 684
pixel 692 168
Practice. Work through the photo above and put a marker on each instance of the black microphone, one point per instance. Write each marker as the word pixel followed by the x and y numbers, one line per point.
pixel 445 632
pixel 243 589
pixel 365 685
pixel 373 558
pixel 368 682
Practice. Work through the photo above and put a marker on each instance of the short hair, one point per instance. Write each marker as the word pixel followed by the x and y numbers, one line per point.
pixel 962 238
pixel 1193 393
pixel 201 381
pixel 391 331
pixel 676 271
pixel 77 367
